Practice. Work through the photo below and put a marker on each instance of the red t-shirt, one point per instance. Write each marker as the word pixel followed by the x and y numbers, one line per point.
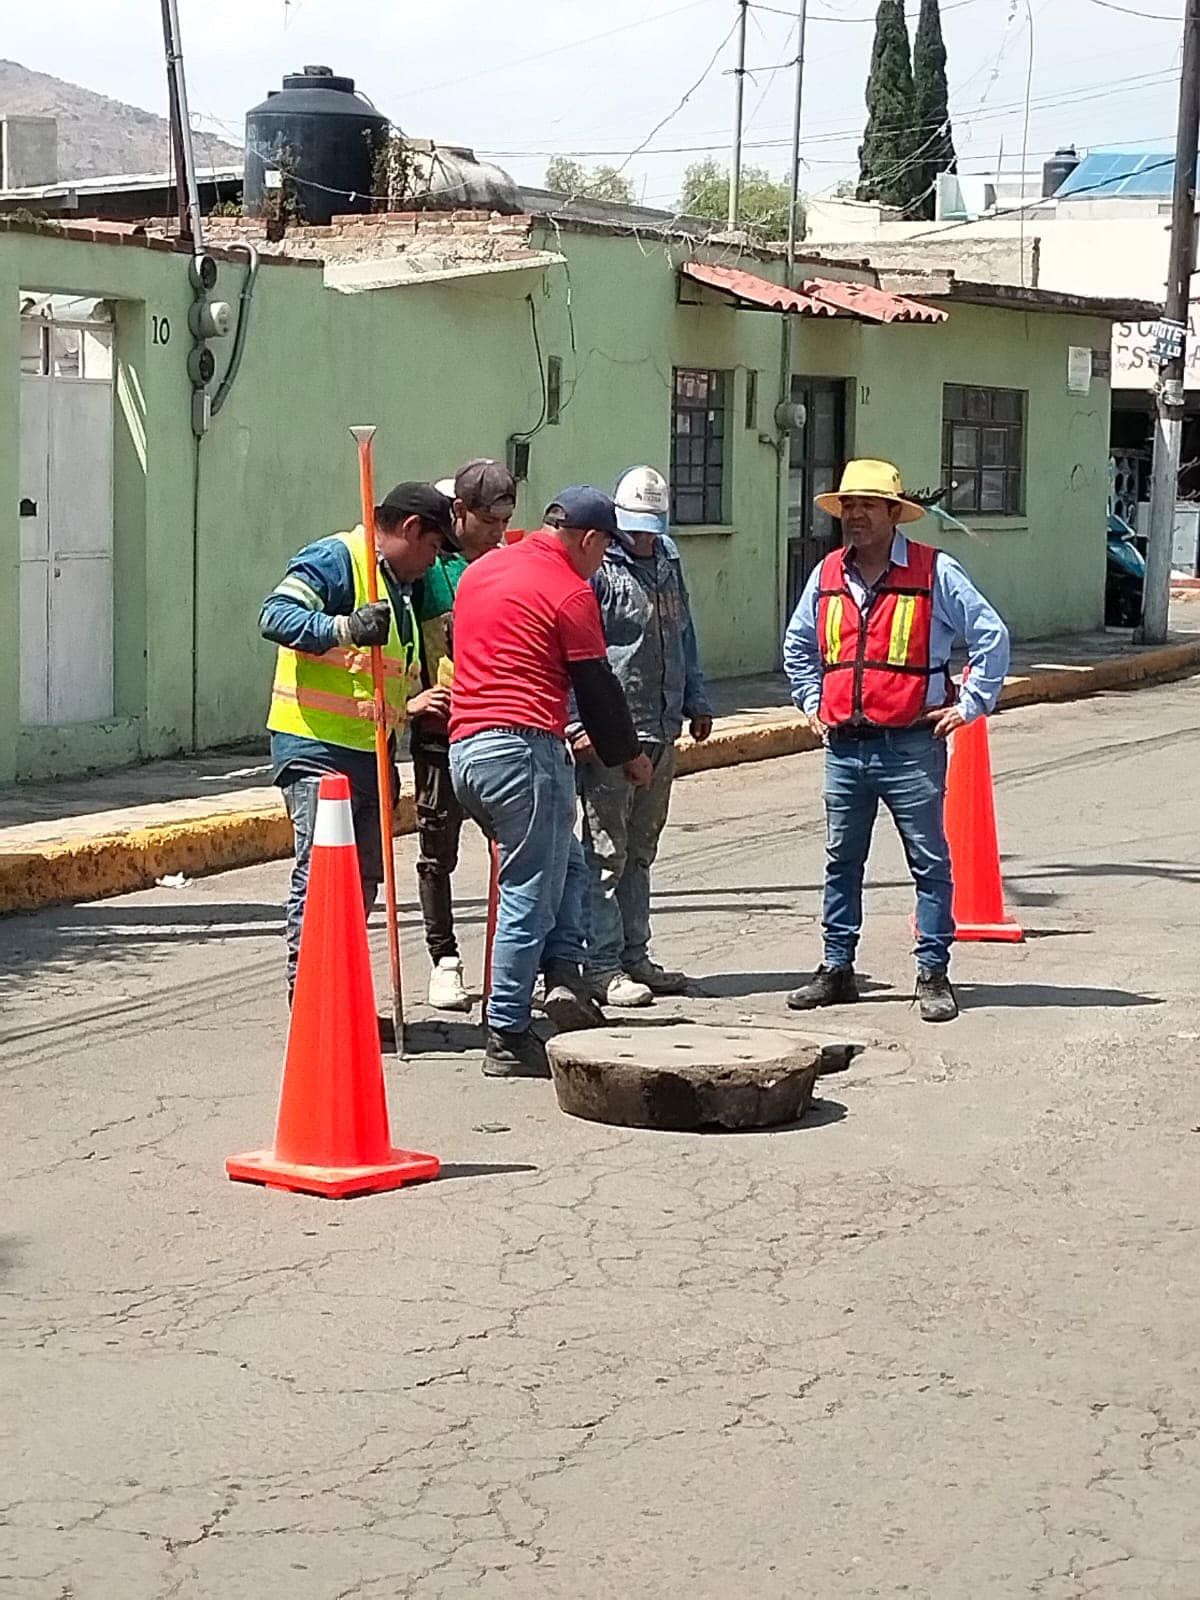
pixel 521 613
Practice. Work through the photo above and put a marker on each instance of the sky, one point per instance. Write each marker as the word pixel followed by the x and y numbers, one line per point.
pixel 519 80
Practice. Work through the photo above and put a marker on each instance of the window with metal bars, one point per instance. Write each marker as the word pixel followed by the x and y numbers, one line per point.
pixel 983 449
pixel 698 446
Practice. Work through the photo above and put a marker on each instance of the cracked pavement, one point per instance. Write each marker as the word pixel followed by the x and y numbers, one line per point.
pixel 940 1340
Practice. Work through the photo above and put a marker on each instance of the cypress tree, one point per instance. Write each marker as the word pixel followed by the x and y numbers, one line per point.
pixel 887 148
pixel 931 106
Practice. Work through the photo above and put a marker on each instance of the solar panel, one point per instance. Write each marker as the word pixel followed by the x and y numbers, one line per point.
pixel 1142 174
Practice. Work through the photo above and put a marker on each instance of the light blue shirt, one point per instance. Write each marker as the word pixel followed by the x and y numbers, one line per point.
pixel 959 612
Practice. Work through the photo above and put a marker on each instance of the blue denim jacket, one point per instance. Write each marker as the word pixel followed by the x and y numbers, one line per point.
pixel 651 640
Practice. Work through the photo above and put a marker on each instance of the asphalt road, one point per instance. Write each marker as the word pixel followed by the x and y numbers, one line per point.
pixel 940 1340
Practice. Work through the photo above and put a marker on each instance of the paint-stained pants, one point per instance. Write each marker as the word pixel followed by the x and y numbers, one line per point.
pixel 621 829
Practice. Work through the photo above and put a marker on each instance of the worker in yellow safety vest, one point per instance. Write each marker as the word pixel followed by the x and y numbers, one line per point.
pixel 322 716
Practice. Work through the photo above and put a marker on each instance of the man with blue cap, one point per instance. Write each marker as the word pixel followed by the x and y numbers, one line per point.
pixel 653 652
pixel 527 638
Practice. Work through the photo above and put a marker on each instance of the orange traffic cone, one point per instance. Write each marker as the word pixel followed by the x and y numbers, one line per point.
pixel 332 1136
pixel 979 912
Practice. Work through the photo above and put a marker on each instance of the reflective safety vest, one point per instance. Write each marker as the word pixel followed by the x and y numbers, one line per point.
pixel 876 663
pixel 331 697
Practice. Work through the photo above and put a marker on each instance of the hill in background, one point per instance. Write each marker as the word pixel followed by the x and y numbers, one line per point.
pixel 98 136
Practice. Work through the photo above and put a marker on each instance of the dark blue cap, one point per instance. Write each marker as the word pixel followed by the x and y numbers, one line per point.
pixel 582 506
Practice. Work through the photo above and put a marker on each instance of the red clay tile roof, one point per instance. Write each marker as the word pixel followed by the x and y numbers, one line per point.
pixel 817 297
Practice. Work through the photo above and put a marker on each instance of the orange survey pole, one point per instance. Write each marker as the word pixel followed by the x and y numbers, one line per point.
pixel 363 438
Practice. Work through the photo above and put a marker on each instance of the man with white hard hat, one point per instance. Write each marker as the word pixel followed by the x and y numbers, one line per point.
pixel 653 652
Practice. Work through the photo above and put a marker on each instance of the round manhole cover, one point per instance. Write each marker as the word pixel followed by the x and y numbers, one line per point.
pixel 685 1077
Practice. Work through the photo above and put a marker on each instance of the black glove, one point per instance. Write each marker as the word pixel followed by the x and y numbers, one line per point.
pixel 369 625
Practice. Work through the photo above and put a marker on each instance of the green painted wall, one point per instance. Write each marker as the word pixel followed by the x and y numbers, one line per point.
pixel 448 371
pixel 1044 570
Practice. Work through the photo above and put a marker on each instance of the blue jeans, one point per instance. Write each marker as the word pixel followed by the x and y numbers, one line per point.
pixel 621 829
pixel 300 798
pixel 907 771
pixel 519 786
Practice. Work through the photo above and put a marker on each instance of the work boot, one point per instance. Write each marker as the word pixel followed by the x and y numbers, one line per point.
pixel 935 996
pixel 659 980
pixel 515 1053
pixel 568 1003
pixel 446 989
pixel 619 990
pixel 828 986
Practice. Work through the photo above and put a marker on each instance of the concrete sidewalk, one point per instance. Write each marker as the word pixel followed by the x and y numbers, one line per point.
pixel 83 839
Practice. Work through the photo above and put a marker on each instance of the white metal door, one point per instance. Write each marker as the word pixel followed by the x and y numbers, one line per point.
pixel 67 526
pixel 35 548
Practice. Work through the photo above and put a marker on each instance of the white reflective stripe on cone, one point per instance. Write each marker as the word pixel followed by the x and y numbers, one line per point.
pixel 335 823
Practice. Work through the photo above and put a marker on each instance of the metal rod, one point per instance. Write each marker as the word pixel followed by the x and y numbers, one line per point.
pixel 181 199
pixel 1169 421
pixel 794 207
pixel 739 78
pixel 363 438
pixel 181 121
pixel 783 519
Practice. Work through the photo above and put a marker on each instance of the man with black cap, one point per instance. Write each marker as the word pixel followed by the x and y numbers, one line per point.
pixel 483 497
pixel 321 717
pixel 527 633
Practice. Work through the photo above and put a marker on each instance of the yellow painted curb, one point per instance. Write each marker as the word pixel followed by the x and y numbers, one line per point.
pixel 91 869
pixel 119 863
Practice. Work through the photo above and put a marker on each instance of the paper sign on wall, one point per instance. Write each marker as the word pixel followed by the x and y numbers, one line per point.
pixel 1079 369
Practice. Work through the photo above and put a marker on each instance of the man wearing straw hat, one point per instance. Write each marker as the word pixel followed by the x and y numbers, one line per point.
pixel 867 654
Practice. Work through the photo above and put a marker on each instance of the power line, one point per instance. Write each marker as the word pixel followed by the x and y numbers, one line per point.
pixel 1128 11
pixel 1104 89
pixel 816 16
pixel 558 49
pixel 712 61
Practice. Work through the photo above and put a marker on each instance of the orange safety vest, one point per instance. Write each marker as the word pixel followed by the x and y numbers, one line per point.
pixel 876 663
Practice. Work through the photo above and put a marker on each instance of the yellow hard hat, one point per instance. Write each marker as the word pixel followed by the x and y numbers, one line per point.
pixel 872 480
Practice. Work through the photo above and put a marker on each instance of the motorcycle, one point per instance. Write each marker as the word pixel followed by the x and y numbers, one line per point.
pixel 1125 579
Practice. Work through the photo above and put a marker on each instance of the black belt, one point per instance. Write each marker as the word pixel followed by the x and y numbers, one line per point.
pixel 873 730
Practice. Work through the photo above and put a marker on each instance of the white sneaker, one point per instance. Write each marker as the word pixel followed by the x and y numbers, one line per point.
pixel 446 989
pixel 622 992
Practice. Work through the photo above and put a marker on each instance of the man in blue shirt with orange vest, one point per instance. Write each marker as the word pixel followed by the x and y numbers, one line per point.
pixel 322 716
pixel 867 654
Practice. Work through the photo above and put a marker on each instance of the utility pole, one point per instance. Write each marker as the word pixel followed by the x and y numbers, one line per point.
pixel 1172 341
pixel 794 207
pixel 739 78
pixel 181 199
pixel 181 125
pixel 784 435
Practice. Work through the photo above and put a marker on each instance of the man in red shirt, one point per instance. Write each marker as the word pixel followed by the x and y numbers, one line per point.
pixel 527 633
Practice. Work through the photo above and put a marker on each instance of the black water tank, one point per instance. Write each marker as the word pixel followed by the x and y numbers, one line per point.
pixel 1058 169
pixel 321 139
